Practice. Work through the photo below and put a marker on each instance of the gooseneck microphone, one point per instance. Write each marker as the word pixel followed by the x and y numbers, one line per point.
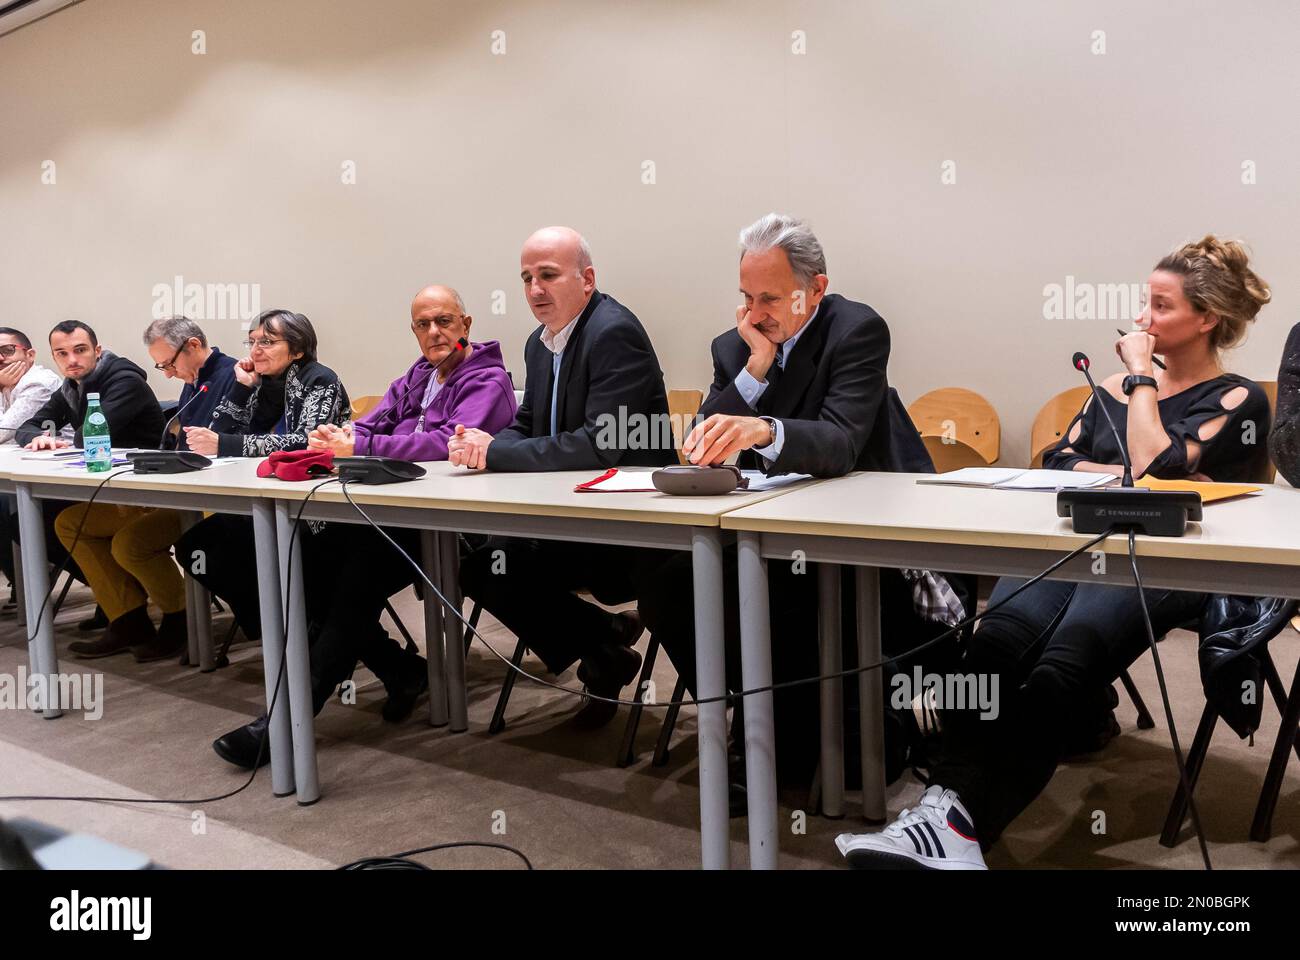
pixel 170 461
pixel 1082 363
pixel 1157 513
pixel 179 410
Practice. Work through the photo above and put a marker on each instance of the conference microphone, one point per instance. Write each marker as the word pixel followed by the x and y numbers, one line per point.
pixel 1158 513
pixel 171 461
pixel 1082 364
pixel 179 410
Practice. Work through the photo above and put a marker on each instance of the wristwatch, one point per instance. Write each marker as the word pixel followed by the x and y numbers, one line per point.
pixel 771 430
pixel 1132 382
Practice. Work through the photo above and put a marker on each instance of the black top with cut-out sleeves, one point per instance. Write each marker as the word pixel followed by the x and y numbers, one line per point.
pixel 1231 455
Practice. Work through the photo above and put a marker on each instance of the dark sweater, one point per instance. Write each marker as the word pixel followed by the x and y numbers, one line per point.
pixel 218 375
pixel 134 417
pixel 280 412
pixel 1231 455
pixel 1284 442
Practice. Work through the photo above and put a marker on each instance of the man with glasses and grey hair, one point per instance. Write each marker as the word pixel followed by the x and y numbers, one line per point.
pixel 179 350
pixel 125 552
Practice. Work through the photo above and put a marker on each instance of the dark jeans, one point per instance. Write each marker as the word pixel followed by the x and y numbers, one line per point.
pixel 528 585
pixel 1052 648
pixel 348 572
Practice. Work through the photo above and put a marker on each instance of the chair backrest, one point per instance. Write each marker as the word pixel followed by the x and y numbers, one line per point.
pixel 363 405
pixel 683 405
pixel 957 417
pixel 1053 420
pixel 1265 470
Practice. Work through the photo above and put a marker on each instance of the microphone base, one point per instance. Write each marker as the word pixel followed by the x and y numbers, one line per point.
pixel 1156 513
pixel 168 461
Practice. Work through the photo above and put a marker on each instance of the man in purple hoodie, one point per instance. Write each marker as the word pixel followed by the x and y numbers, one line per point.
pixel 447 386
pixel 349 569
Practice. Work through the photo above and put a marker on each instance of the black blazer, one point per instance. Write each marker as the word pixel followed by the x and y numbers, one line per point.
pixel 831 399
pixel 608 370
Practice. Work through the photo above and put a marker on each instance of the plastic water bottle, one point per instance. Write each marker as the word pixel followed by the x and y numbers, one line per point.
pixel 95 441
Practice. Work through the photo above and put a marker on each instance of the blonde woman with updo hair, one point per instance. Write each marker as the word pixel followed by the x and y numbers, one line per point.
pixel 1057 648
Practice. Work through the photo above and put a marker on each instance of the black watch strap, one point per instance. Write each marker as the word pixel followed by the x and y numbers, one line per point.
pixel 1132 382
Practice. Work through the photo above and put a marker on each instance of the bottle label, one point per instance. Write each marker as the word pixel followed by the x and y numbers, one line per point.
pixel 97 449
pixel 96 419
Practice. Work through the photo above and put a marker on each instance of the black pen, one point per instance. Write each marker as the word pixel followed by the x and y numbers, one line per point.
pixel 1155 360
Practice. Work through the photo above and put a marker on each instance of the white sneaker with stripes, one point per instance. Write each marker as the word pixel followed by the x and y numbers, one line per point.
pixel 937 835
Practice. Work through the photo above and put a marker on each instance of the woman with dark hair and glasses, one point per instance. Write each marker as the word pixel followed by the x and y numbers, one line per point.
pixel 282 393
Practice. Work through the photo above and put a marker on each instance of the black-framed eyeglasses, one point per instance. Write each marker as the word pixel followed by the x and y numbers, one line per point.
pixel 266 343
pixel 164 367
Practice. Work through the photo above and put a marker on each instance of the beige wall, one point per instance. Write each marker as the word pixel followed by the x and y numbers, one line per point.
pixel 226 167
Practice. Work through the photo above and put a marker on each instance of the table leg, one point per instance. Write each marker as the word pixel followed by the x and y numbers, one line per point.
pixel 41 657
pixel 830 637
pixel 433 628
pixel 871 695
pixel 711 681
pixel 191 622
pixel 454 633
pixel 19 592
pixel 760 734
pixel 297 655
pixel 279 737
pixel 198 611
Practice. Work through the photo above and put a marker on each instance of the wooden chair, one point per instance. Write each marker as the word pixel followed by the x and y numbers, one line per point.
pixel 959 428
pixel 683 405
pixel 363 405
pixel 1053 420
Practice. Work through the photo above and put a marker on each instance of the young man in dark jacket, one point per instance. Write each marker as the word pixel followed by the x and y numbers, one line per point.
pixel 134 417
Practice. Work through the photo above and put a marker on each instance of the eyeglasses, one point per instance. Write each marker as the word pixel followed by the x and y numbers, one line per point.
pixel 422 325
pixel 164 367
pixel 266 343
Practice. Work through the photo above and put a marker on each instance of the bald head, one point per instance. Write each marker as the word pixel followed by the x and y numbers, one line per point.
pixel 558 275
pixel 437 294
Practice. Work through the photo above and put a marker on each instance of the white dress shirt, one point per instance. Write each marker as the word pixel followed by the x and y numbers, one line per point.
pixel 751 390
pixel 556 342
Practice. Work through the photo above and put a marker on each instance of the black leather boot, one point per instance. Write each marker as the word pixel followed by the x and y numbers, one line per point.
pixel 247 746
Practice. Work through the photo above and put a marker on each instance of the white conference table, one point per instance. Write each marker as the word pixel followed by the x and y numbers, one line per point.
pixel 447 502
pixel 1250 545
pixel 452 500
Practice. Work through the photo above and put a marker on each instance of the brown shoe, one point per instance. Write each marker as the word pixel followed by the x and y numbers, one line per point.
pixel 172 637
pixel 130 629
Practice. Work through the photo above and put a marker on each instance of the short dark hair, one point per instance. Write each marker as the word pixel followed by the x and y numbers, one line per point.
pixel 72 326
pixel 294 327
pixel 17 335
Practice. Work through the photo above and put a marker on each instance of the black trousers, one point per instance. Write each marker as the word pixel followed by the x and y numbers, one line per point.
pixel 54 549
pixel 1050 648
pixel 666 598
pixel 529 586
pixel 348 573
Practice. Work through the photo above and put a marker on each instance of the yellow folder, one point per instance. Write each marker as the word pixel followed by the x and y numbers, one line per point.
pixel 1209 491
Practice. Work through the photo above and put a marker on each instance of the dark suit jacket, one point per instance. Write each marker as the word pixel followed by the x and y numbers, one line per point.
pixel 608 369
pixel 831 399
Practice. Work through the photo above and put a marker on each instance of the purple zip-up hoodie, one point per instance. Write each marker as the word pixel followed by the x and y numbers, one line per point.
pixel 478 393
